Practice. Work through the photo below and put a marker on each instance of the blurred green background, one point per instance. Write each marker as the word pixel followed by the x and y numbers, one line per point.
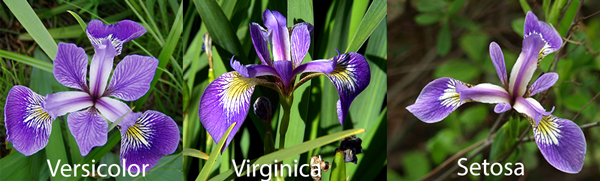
pixel 429 39
pixel 25 61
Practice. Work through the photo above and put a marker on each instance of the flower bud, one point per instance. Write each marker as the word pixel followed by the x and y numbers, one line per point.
pixel 263 109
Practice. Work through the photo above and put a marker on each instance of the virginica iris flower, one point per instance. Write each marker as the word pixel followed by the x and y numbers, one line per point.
pixel 227 98
pixel 561 141
pixel 145 137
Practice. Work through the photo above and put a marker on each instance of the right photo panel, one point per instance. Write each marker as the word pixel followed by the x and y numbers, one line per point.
pixel 493 90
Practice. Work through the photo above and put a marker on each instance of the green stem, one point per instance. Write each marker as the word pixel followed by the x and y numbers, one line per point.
pixel 286 105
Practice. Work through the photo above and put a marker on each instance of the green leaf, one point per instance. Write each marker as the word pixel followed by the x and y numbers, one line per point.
pixel 338 167
pixel 97 153
pixel 475 45
pixel 455 6
pixel 168 168
pixel 458 69
pixel 525 6
pixel 79 20
pixel 194 153
pixel 427 18
pixel 555 11
pixel 213 155
pixel 415 165
pixel 518 25
pixel 33 25
pixel 291 151
pixel 374 15
pixel 34 62
pixel 431 5
pixel 444 40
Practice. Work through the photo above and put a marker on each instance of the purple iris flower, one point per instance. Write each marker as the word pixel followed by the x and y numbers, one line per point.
pixel 145 137
pixel 561 141
pixel 227 98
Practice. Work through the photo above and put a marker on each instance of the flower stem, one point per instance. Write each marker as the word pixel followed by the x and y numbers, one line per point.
pixel 286 105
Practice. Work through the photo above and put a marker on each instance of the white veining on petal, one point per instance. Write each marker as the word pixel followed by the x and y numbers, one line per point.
pixel 139 134
pixel 118 44
pixel 545 50
pixel 450 98
pixel 548 132
pixel 35 115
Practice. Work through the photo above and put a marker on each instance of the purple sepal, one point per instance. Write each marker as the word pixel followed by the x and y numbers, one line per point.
pixel 561 142
pixel 532 108
pixel 149 136
pixel 117 34
pixel 552 39
pixel 285 70
pixel 132 76
pixel 28 127
pixel 89 129
pixel 350 77
pixel 437 100
pixel 252 71
pixel 70 66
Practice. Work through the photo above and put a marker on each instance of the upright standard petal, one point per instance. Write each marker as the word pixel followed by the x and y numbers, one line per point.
pixel 279 35
pixel 484 93
pixel 132 77
pixel 561 142
pixel 350 77
pixel 532 108
pixel 111 108
pixel 61 103
pixel 300 43
pixel 550 36
pixel 498 60
pixel 226 100
pixel 102 64
pixel 150 136
pixel 89 129
pixel 544 82
pixel 70 66
pixel 260 38
pixel 28 127
pixel 117 34
pixel 251 71
pixel 526 64
pixel 285 70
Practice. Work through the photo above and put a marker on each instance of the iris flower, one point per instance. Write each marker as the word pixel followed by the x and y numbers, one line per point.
pixel 561 141
pixel 145 137
pixel 227 98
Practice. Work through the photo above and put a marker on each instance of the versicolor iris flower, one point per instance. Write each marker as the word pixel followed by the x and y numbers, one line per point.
pixel 561 141
pixel 227 98
pixel 145 137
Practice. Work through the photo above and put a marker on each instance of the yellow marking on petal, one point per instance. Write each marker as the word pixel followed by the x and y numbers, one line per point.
pixel 450 98
pixel 35 115
pixel 138 134
pixel 547 132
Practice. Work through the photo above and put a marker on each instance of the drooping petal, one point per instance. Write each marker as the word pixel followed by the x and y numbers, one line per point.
pixel 549 35
pixel 152 135
pixel 117 34
pixel 285 70
pixel 28 127
pixel 111 108
pixel 498 60
pixel 226 100
pixel 260 40
pixel 102 64
pixel 300 43
pixel 251 71
pixel 61 103
pixel 279 35
pixel 70 66
pixel 532 108
pixel 89 129
pixel 561 142
pixel 132 76
pixel 526 64
pixel 350 77
pixel 322 66
pixel 544 82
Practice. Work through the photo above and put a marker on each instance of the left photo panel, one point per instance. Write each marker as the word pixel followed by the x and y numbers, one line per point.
pixel 91 90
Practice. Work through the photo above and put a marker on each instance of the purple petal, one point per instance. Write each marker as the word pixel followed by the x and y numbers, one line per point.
pixel 561 142
pixel 322 66
pixel 350 77
pixel 502 107
pixel 28 127
pixel 117 34
pixel 285 70
pixel 498 60
pixel 61 103
pixel 308 26
pixel 70 66
pixel 552 40
pixel 280 37
pixel 111 108
pixel 153 135
pixel 526 64
pixel 484 93
pixel 102 64
pixel 132 76
pixel 226 100
pixel 260 41
pixel 300 44
pixel 89 129
pixel 437 100
pixel 251 71
pixel 544 82
pixel 532 108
